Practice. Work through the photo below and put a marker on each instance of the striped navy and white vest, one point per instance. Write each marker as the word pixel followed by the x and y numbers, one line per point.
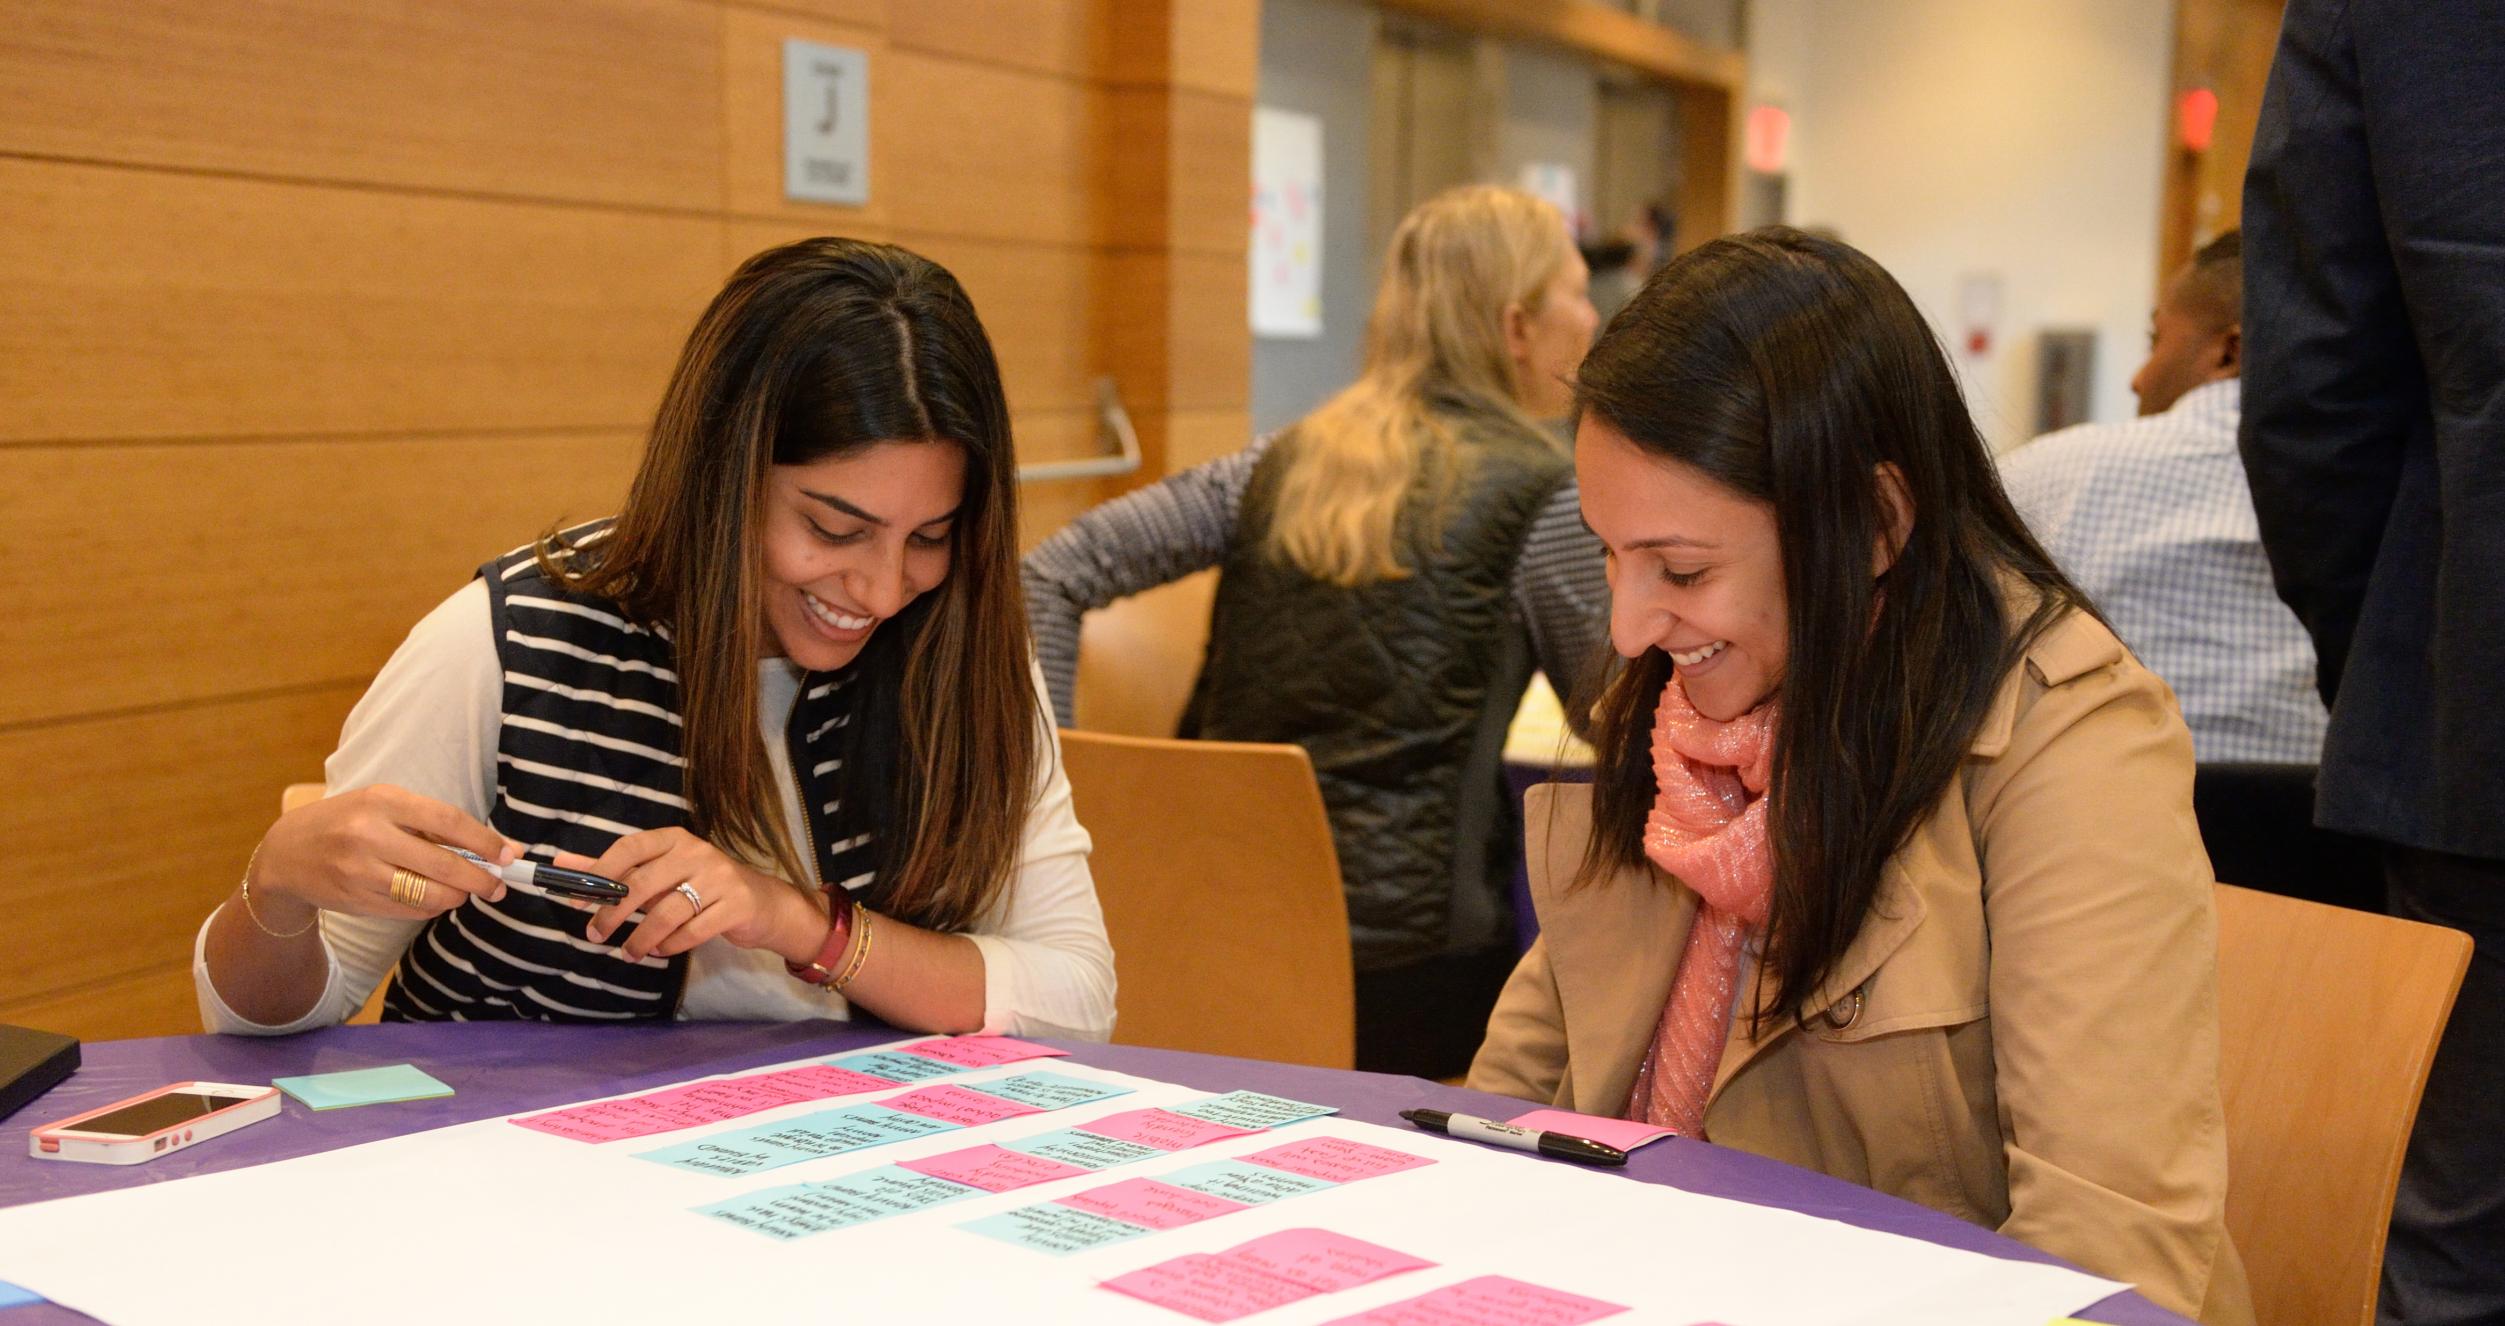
pixel 588 751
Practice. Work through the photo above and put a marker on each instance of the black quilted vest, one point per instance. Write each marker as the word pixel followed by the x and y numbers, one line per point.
pixel 1401 691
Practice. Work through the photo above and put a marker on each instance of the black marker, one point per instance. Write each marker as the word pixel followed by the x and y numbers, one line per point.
pixel 553 879
pixel 1581 1150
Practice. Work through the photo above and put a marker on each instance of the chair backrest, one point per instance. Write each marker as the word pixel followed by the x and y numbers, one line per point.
pixel 1222 895
pixel 2328 1018
pixel 1138 658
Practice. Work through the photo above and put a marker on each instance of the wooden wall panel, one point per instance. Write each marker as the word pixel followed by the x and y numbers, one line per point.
pixel 752 118
pixel 1203 45
pixel 308 306
pixel 1180 170
pixel 2225 46
pixel 860 13
pixel 157 574
pixel 1196 437
pixel 1190 318
pixel 1063 37
pixel 593 100
pixel 996 153
pixel 143 822
pixel 742 239
pixel 1036 302
pixel 155 1002
pixel 135 304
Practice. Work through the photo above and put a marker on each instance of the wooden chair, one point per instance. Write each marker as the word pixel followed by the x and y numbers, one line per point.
pixel 305 794
pixel 2328 1018
pixel 1138 658
pixel 1222 895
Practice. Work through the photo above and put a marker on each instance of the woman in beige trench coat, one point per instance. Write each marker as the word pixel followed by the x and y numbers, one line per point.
pixel 1946 916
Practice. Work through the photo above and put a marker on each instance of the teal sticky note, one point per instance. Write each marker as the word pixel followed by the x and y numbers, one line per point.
pixel 1252 1185
pixel 1085 1150
pixel 1050 1091
pixel 814 1208
pixel 730 1157
pixel 1252 1109
pixel 13 1297
pixel 1059 1230
pixel 893 1066
pixel 363 1086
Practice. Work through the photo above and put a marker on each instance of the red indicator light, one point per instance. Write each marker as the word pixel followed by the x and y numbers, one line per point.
pixel 1769 135
pixel 2196 118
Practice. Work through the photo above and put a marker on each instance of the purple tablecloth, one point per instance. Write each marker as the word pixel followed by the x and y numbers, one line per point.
pixel 497 1069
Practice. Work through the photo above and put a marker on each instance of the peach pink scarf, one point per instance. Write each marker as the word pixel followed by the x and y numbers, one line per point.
pixel 1707 828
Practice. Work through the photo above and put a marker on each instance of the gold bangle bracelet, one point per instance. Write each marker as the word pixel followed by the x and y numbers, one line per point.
pixel 256 916
pixel 860 955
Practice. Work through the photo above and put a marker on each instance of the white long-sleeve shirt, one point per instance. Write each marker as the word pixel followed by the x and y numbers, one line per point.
pixel 429 725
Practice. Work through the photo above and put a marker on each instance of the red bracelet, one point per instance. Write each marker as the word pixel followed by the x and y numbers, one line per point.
pixel 821 969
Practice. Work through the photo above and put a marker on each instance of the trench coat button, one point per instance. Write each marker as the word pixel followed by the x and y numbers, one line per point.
pixel 1846 1011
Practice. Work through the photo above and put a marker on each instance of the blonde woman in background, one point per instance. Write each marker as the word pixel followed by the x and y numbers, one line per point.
pixel 1393 567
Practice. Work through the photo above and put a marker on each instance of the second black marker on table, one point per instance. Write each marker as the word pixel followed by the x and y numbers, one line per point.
pixel 1581 1150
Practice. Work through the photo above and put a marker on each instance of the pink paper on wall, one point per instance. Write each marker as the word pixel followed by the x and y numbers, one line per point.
pixel 1490 1300
pixel 1336 1159
pixel 1624 1134
pixel 1163 1129
pixel 992 1169
pixel 1150 1204
pixel 981 1051
pixel 963 1106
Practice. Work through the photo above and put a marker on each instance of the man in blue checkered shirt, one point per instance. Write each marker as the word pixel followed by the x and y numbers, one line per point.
pixel 2154 519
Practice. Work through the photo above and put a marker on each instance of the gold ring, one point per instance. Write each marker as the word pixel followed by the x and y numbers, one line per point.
pixel 408 888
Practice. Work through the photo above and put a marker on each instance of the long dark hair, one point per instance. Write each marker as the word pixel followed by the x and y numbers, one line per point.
pixel 816 350
pixel 1788 369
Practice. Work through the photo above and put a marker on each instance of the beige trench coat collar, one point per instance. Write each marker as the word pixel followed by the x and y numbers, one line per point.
pixel 1614 947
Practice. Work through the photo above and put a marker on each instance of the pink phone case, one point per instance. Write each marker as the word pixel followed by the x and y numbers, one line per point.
pixel 66 1141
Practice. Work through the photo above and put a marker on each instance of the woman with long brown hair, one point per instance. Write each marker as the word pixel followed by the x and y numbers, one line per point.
pixel 1394 565
pixel 1889 869
pixel 784 697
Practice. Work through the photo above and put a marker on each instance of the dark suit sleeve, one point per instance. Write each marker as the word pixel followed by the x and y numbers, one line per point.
pixel 2332 380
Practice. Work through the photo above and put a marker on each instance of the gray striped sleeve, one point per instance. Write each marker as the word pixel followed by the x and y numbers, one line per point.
pixel 1561 590
pixel 1135 542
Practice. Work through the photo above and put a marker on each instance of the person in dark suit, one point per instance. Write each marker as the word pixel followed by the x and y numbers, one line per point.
pixel 2374 434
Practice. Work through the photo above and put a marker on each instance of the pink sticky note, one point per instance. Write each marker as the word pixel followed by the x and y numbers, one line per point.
pixel 820 1081
pixel 1490 1300
pixel 1624 1134
pixel 1336 1159
pixel 1162 1129
pixel 1150 1204
pixel 963 1106
pixel 981 1051
pixel 698 1103
pixel 1209 1288
pixel 1321 1260
pixel 992 1169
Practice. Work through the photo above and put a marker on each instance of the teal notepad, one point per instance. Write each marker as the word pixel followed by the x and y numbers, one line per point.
pixel 364 1086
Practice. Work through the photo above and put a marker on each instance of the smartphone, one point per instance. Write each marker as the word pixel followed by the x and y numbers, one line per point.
pixel 144 1127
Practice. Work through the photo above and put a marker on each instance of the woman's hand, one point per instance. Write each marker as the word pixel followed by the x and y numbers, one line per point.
pixel 339 854
pixel 661 867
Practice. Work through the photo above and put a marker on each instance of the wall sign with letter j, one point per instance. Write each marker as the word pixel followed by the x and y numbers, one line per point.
pixel 826 123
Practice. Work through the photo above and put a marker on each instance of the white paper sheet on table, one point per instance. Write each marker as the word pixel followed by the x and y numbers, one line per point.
pixel 487 1221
